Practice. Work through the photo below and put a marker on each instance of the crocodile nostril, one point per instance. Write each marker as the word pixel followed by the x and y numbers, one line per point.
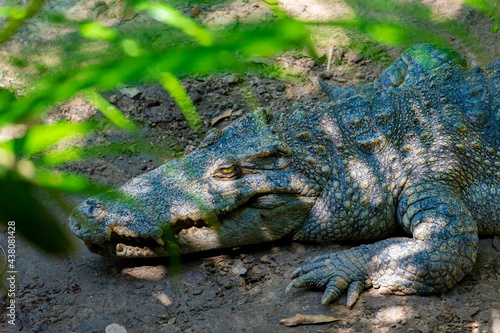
pixel 91 208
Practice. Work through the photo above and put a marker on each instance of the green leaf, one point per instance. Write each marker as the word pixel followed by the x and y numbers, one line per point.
pixel 495 28
pixel 109 110
pixel 174 88
pixel 95 30
pixel 13 11
pixel 40 137
pixel 131 47
pixel 63 181
pixel 171 16
pixel 19 203
pixel 386 33
pixel 236 46
pixel 169 148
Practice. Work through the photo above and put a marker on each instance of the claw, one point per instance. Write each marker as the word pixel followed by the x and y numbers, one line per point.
pixel 296 273
pixel 353 292
pixel 309 268
pixel 289 287
pixel 334 290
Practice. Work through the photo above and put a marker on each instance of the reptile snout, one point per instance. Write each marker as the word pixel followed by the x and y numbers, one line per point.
pixel 91 208
pixel 85 218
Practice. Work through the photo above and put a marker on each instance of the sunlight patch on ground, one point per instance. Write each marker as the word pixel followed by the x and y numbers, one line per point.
pixel 495 325
pixel 444 10
pixel 394 314
pixel 317 10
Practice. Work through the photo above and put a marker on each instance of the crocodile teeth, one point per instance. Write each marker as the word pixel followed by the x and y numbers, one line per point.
pixel 159 240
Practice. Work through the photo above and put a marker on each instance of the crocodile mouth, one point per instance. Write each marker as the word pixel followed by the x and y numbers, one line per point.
pixel 185 235
pixel 119 245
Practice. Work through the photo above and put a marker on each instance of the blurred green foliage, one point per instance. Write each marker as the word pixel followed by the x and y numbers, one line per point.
pixel 405 23
pixel 29 154
pixel 95 58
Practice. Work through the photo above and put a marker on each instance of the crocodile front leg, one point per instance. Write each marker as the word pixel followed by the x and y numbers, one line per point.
pixel 442 251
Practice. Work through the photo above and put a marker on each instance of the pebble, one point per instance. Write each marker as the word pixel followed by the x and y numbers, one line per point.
pixel 115 328
pixel 239 267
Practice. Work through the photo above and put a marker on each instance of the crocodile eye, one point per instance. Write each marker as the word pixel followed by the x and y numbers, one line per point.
pixel 228 172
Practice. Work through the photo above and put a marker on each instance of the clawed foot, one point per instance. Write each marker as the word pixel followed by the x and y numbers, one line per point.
pixel 345 270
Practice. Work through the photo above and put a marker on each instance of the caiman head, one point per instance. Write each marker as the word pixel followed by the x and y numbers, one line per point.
pixel 238 187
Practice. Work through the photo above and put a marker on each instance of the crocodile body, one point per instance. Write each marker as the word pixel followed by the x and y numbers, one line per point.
pixel 417 149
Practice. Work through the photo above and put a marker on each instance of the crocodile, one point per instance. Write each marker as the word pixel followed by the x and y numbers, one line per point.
pixel 417 150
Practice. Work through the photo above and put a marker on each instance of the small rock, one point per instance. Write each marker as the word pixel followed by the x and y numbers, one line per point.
pixel 152 101
pixel 126 105
pixel 113 99
pixel 198 291
pixel 266 259
pixel 353 57
pixel 280 87
pixel 115 328
pixel 129 92
pixel 247 260
pixel 231 79
pixel 258 273
pixel 239 267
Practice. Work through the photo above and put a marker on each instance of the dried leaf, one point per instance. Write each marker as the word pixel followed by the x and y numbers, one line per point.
pixel 128 11
pixel 301 319
pixel 225 114
pixel 196 11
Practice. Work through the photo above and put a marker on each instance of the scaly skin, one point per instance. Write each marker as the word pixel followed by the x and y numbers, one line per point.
pixel 416 149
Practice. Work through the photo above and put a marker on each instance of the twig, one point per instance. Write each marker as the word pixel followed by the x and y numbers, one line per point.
pixel 330 56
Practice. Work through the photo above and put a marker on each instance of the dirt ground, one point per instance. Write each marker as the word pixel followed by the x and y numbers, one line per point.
pixel 235 290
